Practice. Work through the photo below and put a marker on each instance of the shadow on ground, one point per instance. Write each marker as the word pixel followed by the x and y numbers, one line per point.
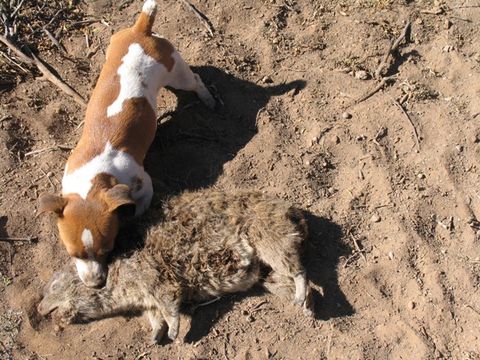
pixel 194 143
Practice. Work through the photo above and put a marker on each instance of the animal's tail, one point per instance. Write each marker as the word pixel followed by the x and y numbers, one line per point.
pixel 147 17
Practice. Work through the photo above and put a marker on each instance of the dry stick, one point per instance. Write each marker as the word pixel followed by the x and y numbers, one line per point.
pixel 16 50
pixel 205 21
pixel 55 41
pixel 47 74
pixel 360 251
pixel 39 151
pixel 10 239
pixel 393 46
pixel 417 141
pixel 371 92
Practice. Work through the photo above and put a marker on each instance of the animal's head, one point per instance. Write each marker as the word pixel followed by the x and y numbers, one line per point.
pixel 59 294
pixel 88 227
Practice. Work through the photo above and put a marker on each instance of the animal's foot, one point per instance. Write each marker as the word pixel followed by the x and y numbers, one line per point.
pixel 208 99
pixel 158 334
pixel 172 333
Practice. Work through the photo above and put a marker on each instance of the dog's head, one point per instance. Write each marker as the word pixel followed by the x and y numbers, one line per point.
pixel 88 227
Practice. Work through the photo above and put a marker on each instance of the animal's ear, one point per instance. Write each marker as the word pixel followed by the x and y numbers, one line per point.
pixel 50 202
pixel 118 196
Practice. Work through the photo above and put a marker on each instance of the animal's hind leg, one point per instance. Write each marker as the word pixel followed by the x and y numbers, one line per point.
pixel 159 326
pixel 284 259
pixel 280 285
pixel 183 78
pixel 285 287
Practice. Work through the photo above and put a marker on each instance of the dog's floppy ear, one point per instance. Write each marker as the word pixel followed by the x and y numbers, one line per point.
pixel 53 203
pixel 117 196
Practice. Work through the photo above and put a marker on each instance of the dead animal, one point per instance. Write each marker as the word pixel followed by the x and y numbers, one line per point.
pixel 207 244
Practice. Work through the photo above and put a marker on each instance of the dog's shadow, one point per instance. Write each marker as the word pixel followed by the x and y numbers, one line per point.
pixel 193 143
pixel 324 248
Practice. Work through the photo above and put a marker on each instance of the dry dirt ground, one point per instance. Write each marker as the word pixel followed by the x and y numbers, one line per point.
pixel 395 247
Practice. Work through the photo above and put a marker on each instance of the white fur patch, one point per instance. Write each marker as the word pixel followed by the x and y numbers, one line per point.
pixel 87 239
pixel 140 76
pixel 149 7
pixel 120 165
pixel 91 272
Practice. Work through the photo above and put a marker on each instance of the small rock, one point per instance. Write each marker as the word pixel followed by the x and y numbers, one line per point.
pixel 49 174
pixel 391 255
pixel 448 23
pixel 307 163
pixel 459 148
pixel 267 79
pixel 411 305
pixel 314 140
pixel 361 74
pixel 375 218
pixel 476 138
pixel 421 176
pixel 331 190
pixel 346 115
pixel 336 139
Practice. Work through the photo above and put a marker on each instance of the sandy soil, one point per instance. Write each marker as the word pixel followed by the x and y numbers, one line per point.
pixel 394 252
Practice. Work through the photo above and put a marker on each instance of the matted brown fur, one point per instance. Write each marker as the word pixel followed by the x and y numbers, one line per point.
pixel 208 243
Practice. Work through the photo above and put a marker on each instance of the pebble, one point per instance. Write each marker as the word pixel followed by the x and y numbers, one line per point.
pixel 314 140
pixel 307 163
pixel 391 255
pixel 411 305
pixel 361 74
pixel 375 218
pixel 459 148
pixel 346 115
pixel 421 176
pixel 476 138
pixel 267 79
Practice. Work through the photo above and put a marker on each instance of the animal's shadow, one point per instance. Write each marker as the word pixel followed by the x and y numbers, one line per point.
pixel 323 250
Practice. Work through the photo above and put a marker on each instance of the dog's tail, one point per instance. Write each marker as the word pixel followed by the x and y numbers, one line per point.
pixel 147 17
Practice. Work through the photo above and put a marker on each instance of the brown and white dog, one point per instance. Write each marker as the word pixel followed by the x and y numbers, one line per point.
pixel 105 170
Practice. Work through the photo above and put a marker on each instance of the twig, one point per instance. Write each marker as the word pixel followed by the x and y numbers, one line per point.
pixel 82 22
pixel 360 251
pixel 210 301
pixel 472 308
pixel 14 62
pixel 16 50
pixel 12 15
pixel 393 47
pixel 204 20
pixel 12 239
pixel 55 147
pixel 364 97
pixel 54 41
pixel 47 74
pixel 466 7
pixel 415 133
